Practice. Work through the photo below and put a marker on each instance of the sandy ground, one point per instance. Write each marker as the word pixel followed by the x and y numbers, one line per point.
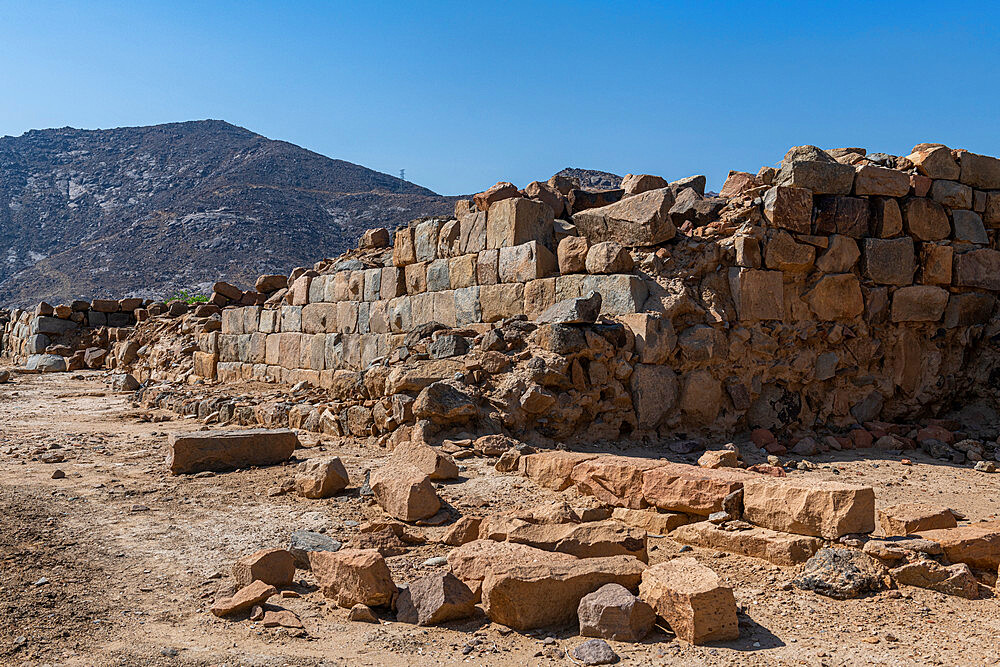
pixel 117 563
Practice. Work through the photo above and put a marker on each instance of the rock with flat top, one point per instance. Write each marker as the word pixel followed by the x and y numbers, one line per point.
pixel 353 576
pixel 226 450
pixel 404 492
pixel 321 478
pixel 579 310
pixel 977 544
pixel 554 470
pixel 253 594
pixel 954 579
pixel 821 509
pixel 471 561
pixel 595 652
pixel 272 566
pixel 678 487
pixel 909 518
pixel 612 612
pixel 755 542
pixel 434 599
pixel 426 459
pixel 692 600
pixel 640 220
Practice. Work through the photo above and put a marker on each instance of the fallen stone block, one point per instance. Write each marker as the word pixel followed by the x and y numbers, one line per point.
pixel 954 579
pixel 678 487
pixel 426 459
pixel 470 561
pixel 583 540
pixel 640 220
pixel 692 600
pixel 899 548
pixel 433 599
pixel 272 566
pixel 554 470
pixel 225 450
pixel 321 478
pixel 616 480
pixel 651 521
pixel 255 593
pixel 821 509
pixel 281 618
pixel 404 492
pixel 353 576
pixel 304 541
pixel 524 597
pixel 612 612
pixel 769 545
pixel 463 531
pixel 977 545
pixel 909 518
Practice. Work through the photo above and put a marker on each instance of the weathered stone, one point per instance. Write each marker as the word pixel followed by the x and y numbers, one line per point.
pixel 581 310
pixel 926 219
pixel 654 336
pixel 841 255
pixel 463 531
pixel 782 253
pixel 821 509
pixel 872 180
pixel 224 450
pixel 979 171
pixel 593 539
pixel 471 561
pixel 773 546
pixel 621 293
pixel 547 194
pixel 951 194
pixel 362 613
pixel 654 393
pixel 722 458
pixel 969 227
pixel 738 182
pixel 524 597
pixel 679 487
pixel 812 168
pixel 608 257
pixel 595 652
pixel 889 261
pixel 968 309
pixel 641 220
pixel 514 221
pixel 836 297
pixel 245 598
pixel 635 184
pixel 374 238
pixel 789 208
pixel 612 612
pixel 978 268
pixel 553 470
pixel 270 283
pixel 616 480
pixel 886 219
pixel 404 492
pixel 580 200
pixel 321 478
pixel 272 566
pixel 652 521
pixel 919 303
pixel 758 295
pixel 849 216
pixel 444 403
pixel 691 598
pixel 302 542
pixel 977 545
pixel 524 262
pixel 936 264
pixel 572 254
pixel 426 459
pixel 433 599
pixel 353 576
pixel 934 161
pixel 908 518
pixel 954 579
pixel 499 191
pixel 842 574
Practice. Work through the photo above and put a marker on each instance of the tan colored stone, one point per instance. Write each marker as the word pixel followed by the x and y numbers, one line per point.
pixel 954 579
pixel 782 253
pixel 404 492
pixel 608 257
pixel 720 458
pixel 691 598
pixel 836 297
pixel 426 459
pixel 616 480
pixel 433 599
pixel 908 518
pixel 769 545
pixel 593 539
pixel 462 271
pixel 977 545
pixel 554 470
pixel 272 566
pixel 758 295
pixel 225 450
pixel 463 531
pixel 321 478
pixel 936 264
pixel 840 256
pixel 502 301
pixel 524 262
pixel 679 487
pixel 524 597
pixel 404 249
pixel 253 594
pixel 572 254
pixel 934 161
pixel 515 221
pixel 979 171
pixel 872 180
pixel 635 184
pixel 652 521
pixel 821 509
pixel 501 190
pixel 887 219
pixel 640 220
pixel 353 576
pixel 789 208
pixel 926 219
pixel 470 561
pixel 612 612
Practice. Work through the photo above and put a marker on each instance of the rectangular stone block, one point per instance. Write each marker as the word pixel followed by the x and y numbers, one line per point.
pixel 677 487
pixel 232 321
pixel 437 275
pixel 979 171
pixel 400 314
pixel 228 371
pixel 204 364
pixel 291 319
pixel 513 221
pixel 341 288
pixel 333 354
pixel 373 284
pixel 936 264
pixel 347 316
pixel 378 317
pixel 355 285
pixel 487 267
pixel 225 450
pixel 621 293
pixel 416 278
pixel 368 349
pixel 501 301
pixel 257 349
pixel 472 234
pixel 393 283
pixel 872 180
pixel 789 208
pixel 524 262
pixel 758 295
pixel 969 309
pixel 300 290
pixel 251 319
pixel 462 271
pixel 317 289
pixel 569 287
pixel 289 350
pixel 426 238
pixel 614 480
pixel 268 320
pixel 467 309
pixel 770 545
pixel 976 545
pixel 820 509
pixel 888 261
pixel 421 309
pixel 978 268
pixel 352 351
pixel 317 352
pixel 539 295
pixel 319 318
pixel 449 239
pixel 272 348
pixel 404 249
pixel 364 321
pixel 443 305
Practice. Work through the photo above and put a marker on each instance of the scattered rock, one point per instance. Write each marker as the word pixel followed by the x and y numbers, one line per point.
pixel 842 574
pixel 612 612
pixel 255 593
pixel 272 566
pixel 353 576
pixel 691 598
pixel 434 599
pixel 595 652
pixel 321 478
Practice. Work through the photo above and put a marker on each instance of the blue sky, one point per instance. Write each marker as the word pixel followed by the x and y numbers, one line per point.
pixel 462 94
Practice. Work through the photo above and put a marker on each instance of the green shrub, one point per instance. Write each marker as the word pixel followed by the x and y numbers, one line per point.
pixel 188 298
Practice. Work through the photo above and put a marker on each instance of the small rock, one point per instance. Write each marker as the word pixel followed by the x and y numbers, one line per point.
pixel 58 474
pixel 595 652
pixel 842 574
pixel 986 466
pixel 362 613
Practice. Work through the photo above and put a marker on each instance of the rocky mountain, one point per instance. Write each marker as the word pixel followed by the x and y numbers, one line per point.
pixel 591 179
pixel 147 211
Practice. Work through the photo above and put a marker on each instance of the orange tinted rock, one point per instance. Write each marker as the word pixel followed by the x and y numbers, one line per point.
pixel 908 518
pixel 272 566
pixel 353 576
pixel 426 459
pixel 470 561
pixel 501 190
pixel 321 478
pixel 821 509
pixel 685 488
pixel 657 523
pixel 977 545
pixel 255 593
pixel 524 597
pixel 583 540
pixel 462 531
pixel 616 480
pixel 722 458
pixel 691 598
pixel 554 469
pixel 769 545
pixel 404 492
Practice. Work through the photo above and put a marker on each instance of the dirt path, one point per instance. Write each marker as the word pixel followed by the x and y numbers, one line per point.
pixel 117 563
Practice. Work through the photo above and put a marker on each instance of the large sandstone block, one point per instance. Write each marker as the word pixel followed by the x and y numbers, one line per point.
pixel 462 271
pixel 593 539
pixel 872 180
pixel 934 161
pixel 353 576
pixel 319 318
pixel 438 276
pixel 524 262
pixel 836 214
pixel 821 177
pixel 615 480
pixel 205 364
pixel 472 234
pixel 969 309
pixel 919 303
pixel 758 295
pixel 978 268
pixel 908 518
pixel 678 487
pixel 640 220
pixel 224 450
pixel 272 566
pixel 821 509
pixel 654 336
pixel 499 302
pixel 612 612
pixel 888 261
pixel 433 599
pixel 524 597
pixel 553 470
pixel 770 545
pixel 783 253
pixel 404 492
pixel 979 171
pixel 886 219
pixel 404 249
pixel 977 545
pixel 425 239
pixel 691 598
pixel 926 220
pixel 513 221
pixel 951 194
pixel 471 561
pixel 496 192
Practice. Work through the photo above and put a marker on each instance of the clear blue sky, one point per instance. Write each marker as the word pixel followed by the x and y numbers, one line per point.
pixel 462 94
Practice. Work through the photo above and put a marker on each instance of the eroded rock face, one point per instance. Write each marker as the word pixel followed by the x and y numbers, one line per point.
pixel 612 612
pixel 909 518
pixel 954 579
pixel 404 492
pixel 842 574
pixel 691 598
pixel 977 545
